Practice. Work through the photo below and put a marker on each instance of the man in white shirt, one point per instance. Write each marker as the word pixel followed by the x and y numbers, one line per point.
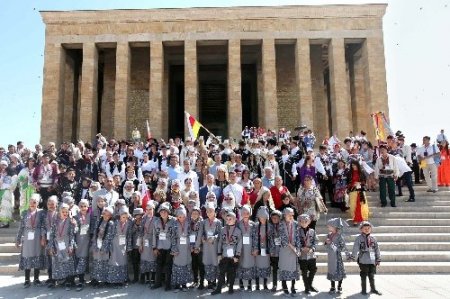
pixel 441 137
pixel 188 173
pixel 107 192
pixel 237 190
pixel 217 164
pixel 427 153
pixel 386 171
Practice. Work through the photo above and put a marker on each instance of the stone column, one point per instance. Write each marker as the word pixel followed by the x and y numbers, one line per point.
pixel 341 110
pixel 123 61
pixel 320 99
pixel 234 89
pixel 155 116
pixel 269 119
pixel 361 107
pixel 89 102
pixel 303 73
pixel 52 94
pixel 375 77
pixel 190 81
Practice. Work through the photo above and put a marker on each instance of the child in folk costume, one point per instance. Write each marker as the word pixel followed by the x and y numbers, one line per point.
pixel 29 238
pixel 367 254
pixel 8 183
pixel 62 247
pixel 246 270
pixel 230 249
pixel 148 259
pixel 97 211
pixel 50 216
pixel 359 208
pixel 181 251
pixel 83 237
pixel 334 245
pixel 307 259
pixel 275 245
pixel 120 247
pixel 101 247
pixel 261 247
pixel 135 255
pixel 290 244
pixel 207 242
pixel 198 270
pixel 162 236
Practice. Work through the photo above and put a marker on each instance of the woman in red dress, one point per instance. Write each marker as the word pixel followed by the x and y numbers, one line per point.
pixel 444 168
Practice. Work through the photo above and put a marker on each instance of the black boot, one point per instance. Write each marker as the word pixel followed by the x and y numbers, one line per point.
pixel 36 281
pixel 265 285
pixel 220 284
pixel 274 283
pixel 27 283
pixel 257 284
pixel 310 282
pixel 363 285
pixel 373 290
pixel 305 282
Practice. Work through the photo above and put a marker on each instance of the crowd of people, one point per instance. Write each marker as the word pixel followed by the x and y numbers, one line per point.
pixel 205 213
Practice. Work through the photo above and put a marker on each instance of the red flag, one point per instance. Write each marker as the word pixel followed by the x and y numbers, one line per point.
pixel 145 195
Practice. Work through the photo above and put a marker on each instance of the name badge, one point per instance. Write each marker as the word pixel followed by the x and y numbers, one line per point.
pixel 246 240
pixel 333 247
pixel 146 243
pixel 192 238
pixel 263 252
pixel 84 229
pixel 183 240
pixel 122 240
pixel 30 236
pixel 61 245
pixel 48 236
pixel 372 256
pixel 210 233
pixel 277 241
pixel 162 236
pixel 230 252
pixel 99 243
pixel 138 241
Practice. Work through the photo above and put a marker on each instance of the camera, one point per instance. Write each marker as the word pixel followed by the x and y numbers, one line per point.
pixel 425 154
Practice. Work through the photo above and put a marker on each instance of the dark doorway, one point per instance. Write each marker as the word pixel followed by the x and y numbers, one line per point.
pixel 176 101
pixel 213 98
pixel 74 58
pixel 249 94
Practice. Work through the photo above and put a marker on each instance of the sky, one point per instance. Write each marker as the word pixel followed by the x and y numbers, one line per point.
pixel 417 50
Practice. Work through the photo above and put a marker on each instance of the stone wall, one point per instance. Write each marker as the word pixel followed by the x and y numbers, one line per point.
pixel 287 91
pixel 108 96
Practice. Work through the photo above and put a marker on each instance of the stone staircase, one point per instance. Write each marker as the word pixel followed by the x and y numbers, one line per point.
pixel 413 237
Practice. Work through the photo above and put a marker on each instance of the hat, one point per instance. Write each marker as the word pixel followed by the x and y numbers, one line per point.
pixel 164 206
pixel 246 208
pixel 181 212
pixel 287 211
pixel 231 214
pixel 275 213
pixel 304 217
pixel 15 156
pixel 109 210
pixel 365 223
pixel 36 197
pixel 151 204
pixel 263 212
pixel 337 223
pixel 64 206
pixel 124 210
pixel 196 208
pixel 413 145
pixel 121 201
pixel 83 202
pixel 68 200
pixel 210 206
pixel 138 211
pixel 3 162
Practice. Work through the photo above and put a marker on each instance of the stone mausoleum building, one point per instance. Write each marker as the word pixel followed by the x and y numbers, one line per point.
pixel 110 71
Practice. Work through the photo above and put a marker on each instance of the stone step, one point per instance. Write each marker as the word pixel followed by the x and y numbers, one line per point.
pixel 403 256
pixel 411 208
pixel 402 246
pixel 401 237
pixel 393 213
pixel 394 229
pixel 400 221
pixel 8 248
pixel 395 267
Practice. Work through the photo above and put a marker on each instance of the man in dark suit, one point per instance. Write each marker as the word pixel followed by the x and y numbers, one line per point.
pixel 210 186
